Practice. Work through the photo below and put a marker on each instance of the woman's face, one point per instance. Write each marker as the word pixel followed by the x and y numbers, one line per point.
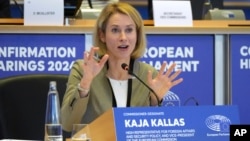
pixel 120 36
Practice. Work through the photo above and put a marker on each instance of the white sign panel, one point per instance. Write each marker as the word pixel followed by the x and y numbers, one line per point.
pixel 43 12
pixel 172 13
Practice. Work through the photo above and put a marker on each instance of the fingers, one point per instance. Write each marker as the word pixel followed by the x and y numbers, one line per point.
pixel 176 82
pixel 172 76
pixel 89 57
pixel 92 52
pixel 170 70
pixel 162 69
pixel 104 59
pixel 149 77
pixel 85 58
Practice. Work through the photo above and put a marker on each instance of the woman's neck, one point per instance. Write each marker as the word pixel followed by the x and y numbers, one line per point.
pixel 115 71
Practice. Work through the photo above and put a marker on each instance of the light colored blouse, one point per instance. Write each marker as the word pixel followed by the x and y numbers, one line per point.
pixel 120 89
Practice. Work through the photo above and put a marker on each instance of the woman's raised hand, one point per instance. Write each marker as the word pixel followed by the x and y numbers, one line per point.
pixel 93 65
pixel 164 81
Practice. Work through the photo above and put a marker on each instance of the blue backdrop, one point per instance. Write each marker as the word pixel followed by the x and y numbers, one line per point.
pixel 196 59
pixel 39 53
pixel 54 54
pixel 240 55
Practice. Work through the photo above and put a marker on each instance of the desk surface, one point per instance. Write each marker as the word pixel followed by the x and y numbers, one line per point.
pixel 80 26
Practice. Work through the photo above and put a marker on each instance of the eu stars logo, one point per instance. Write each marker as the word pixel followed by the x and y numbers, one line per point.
pixel 239 132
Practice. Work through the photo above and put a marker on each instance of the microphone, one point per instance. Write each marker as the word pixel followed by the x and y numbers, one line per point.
pixel 19 8
pixel 90 4
pixel 191 98
pixel 125 67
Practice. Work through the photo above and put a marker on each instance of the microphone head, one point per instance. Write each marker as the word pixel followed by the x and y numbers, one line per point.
pixel 124 66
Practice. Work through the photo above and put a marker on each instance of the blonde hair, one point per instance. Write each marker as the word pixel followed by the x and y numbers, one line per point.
pixel 102 21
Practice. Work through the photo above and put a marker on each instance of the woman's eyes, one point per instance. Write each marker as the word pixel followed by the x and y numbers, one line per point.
pixel 116 30
pixel 128 30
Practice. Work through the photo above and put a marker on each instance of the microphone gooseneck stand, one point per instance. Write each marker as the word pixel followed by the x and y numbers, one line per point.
pixel 125 67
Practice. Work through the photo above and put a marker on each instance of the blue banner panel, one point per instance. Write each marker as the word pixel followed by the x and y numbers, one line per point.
pixel 240 49
pixel 22 54
pixel 194 55
pixel 52 53
pixel 189 123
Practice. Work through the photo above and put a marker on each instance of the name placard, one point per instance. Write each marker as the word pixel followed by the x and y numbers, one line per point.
pixel 43 12
pixel 172 13
pixel 185 123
